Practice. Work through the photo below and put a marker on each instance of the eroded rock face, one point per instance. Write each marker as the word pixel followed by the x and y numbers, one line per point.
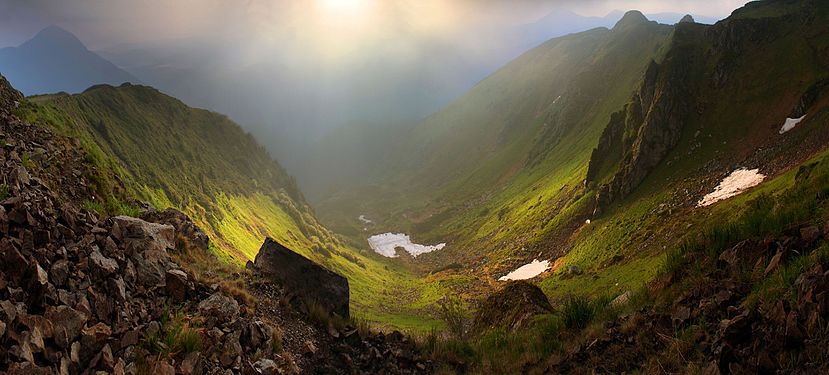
pixel 512 307
pixel 302 277
pixel 641 135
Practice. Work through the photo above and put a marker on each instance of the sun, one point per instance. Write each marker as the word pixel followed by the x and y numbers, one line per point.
pixel 343 26
pixel 345 7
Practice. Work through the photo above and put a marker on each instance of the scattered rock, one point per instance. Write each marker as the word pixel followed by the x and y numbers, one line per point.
pixel 621 299
pixel 265 366
pixel 219 308
pixel 177 285
pixel 67 324
pixel 774 263
pixel 681 315
pixel 100 265
pixel 574 271
pixel 310 348
pixel 810 234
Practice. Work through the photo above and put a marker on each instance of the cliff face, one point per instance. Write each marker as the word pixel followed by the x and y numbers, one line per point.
pixel 727 80
pixel 641 135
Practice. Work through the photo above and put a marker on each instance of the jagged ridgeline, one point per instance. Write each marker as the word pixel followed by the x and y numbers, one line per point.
pixel 169 154
pixel 719 93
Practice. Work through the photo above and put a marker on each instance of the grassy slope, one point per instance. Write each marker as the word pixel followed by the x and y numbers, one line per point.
pixel 490 166
pixel 202 163
pixel 501 182
pixel 754 102
pixel 791 200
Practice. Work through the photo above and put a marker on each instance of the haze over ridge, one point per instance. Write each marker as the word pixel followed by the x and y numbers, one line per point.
pixel 292 72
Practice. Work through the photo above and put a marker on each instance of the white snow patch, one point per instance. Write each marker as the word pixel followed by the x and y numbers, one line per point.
pixel 364 219
pixel 790 124
pixel 527 271
pixel 386 244
pixel 737 182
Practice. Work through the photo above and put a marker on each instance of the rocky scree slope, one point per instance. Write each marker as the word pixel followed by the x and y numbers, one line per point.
pixel 732 316
pixel 80 293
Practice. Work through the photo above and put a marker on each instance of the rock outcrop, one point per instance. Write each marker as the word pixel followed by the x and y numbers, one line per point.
pixel 640 136
pixel 809 98
pixel 513 307
pixel 302 277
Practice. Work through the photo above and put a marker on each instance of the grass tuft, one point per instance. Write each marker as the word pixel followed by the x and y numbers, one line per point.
pixel 177 335
pixel 452 312
pixel 577 312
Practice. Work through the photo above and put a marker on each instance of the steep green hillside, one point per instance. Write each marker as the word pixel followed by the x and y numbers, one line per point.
pixel 715 103
pixel 166 153
pixel 485 170
pixel 593 150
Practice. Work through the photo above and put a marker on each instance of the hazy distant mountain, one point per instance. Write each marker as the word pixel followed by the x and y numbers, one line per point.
pixel 561 22
pixel 55 60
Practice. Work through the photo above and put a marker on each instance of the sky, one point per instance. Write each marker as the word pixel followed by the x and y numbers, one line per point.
pixel 330 25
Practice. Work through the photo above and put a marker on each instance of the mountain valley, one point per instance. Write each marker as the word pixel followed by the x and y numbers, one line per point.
pixel 645 198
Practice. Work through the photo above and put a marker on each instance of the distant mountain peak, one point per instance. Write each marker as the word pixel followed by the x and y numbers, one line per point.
pixel 55 36
pixel 55 30
pixel 632 17
pixel 687 19
pixel 55 60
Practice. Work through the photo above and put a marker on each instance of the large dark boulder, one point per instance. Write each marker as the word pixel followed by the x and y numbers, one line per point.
pixel 512 307
pixel 302 277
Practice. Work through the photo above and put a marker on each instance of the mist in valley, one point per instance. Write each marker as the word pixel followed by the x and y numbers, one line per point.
pixel 327 86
